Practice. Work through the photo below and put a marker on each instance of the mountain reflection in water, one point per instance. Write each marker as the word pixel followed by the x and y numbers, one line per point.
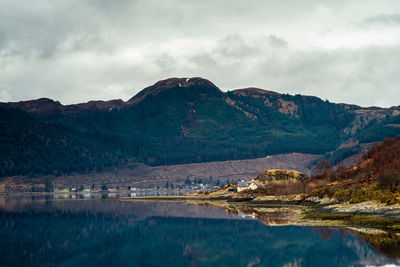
pixel 40 232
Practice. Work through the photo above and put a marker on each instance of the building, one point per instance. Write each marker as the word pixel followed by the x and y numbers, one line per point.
pixel 243 185
pixel 254 186
pixel 247 185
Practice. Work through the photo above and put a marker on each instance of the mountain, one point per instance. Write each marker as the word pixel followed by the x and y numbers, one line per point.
pixel 181 120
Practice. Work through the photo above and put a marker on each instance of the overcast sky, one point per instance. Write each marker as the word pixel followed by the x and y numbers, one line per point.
pixel 79 50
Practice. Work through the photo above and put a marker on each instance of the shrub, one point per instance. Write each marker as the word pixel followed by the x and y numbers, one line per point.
pixel 321 192
pixel 343 195
pixel 390 179
pixel 359 194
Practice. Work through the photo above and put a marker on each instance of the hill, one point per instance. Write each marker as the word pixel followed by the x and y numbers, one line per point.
pixel 375 177
pixel 178 121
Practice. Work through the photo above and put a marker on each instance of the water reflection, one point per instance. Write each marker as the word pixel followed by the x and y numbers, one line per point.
pixel 36 231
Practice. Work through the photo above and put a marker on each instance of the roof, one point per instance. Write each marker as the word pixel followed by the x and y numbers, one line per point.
pixel 243 183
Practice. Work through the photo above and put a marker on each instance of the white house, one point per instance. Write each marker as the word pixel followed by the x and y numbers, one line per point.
pixel 254 186
pixel 243 185
pixel 246 185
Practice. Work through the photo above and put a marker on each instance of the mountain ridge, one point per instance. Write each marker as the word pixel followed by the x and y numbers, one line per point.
pixel 168 83
pixel 182 120
pixel 43 102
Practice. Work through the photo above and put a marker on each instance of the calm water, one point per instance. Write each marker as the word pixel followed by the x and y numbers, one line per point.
pixel 35 231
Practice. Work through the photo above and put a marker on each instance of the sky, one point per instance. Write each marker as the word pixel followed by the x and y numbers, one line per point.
pixel 75 51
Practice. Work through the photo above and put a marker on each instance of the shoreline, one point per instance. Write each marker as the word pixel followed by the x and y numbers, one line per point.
pixel 371 215
pixel 368 217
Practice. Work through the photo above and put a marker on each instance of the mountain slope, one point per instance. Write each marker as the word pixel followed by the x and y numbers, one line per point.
pixel 182 120
pixel 375 177
pixel 31 146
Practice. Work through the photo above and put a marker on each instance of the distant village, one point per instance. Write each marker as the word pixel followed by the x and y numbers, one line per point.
pixel 188 186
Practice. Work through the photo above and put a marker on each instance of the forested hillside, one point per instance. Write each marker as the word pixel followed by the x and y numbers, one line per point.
pixel 178 121
pixel 375 177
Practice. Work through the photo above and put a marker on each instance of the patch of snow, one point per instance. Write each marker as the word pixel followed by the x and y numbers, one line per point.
pixel 179 84
pixel 187 79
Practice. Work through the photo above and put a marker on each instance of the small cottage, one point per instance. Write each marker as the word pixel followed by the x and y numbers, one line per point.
pixel 243 185
pixel 254 186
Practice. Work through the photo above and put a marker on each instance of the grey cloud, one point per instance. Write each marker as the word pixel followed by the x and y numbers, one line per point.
pixel 338 75
pixel 235 46
pixel 71 50
pixel 166 63
pixel 202 60
pixel 238 47
pixel 41 30
pixel 277 42
pixel 45 26
pixel 383 19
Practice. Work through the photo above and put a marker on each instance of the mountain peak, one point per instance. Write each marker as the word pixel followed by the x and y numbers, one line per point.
pixel 41 106
pixel 163 85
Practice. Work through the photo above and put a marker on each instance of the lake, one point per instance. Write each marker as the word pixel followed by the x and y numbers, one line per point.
pixel 96 231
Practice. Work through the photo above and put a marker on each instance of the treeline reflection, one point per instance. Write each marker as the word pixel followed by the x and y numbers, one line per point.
pixel 104 233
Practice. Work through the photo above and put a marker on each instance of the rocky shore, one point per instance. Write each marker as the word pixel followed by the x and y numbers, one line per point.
pixel 368 216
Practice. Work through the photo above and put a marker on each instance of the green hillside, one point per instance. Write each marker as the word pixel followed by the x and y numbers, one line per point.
pixel 30 146
pixel 176 121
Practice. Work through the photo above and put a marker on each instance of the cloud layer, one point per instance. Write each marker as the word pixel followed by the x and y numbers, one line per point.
pixel 76 51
